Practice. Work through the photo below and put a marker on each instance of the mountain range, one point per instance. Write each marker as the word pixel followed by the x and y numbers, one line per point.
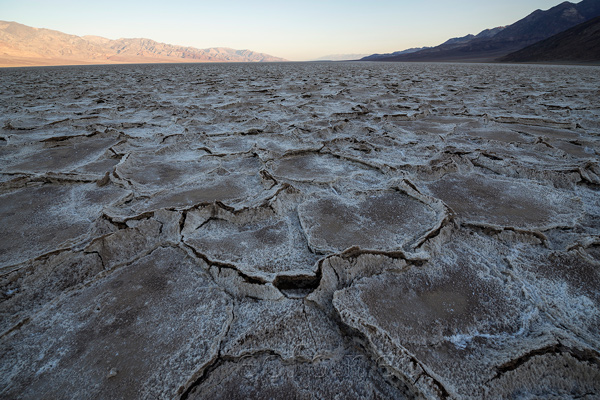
pixel 493 44
pixel 385 57
pixel 580 43
pixel 567 32
pixel 22 45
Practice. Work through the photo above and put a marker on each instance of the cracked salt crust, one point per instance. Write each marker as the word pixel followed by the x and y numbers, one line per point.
pixel 312 230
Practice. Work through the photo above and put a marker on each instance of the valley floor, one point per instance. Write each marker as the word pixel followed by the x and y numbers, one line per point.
pixel 300 230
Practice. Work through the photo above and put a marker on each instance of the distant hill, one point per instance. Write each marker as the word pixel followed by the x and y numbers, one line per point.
pixel 578 44
pixel 381 57
pixel 496 43
pixel 22 45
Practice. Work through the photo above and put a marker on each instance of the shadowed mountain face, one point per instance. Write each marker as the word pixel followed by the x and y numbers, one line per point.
pixel 486 33
pixel 537 26
pixel 580 43
pixel 23 45
pixel 380 57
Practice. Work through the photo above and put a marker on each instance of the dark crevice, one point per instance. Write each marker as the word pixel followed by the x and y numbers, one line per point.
pixel 297 286
pixel 170 136
pixel 104 180
pixel 121 223
pixel 182 220
pixel 220 265
pixel 541 140
pixel 216 363
pixel 491 156
pixel 299 152
pixel 8 269
pixel 352 159
pixel 206 149
pixel 355 251
pixel 411 185
pixel 593 168
pixel 47 178
pixel 478 163
pixel 9 125
pixel 117 176
pixel 99 256
pixel 209 220
pixel 67 137
pixel 225 207
pixel 355 141
pixel 220 205
pixel 442 391
pixel 489 230
pixel 249 279
pixel 337 276
pixel 588 356
pixel 361 343
pixel 456 152
pixel 445 222
pixel 355 114
pixel 268 177
pixel 251 132
pixel 140 217
pixel 221 359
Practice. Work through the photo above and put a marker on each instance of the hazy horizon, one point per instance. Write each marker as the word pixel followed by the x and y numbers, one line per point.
pixel 295 31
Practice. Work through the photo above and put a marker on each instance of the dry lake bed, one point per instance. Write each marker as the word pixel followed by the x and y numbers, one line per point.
pixel 326 230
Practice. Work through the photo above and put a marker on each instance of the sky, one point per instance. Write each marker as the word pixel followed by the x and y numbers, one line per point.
pixel 295 30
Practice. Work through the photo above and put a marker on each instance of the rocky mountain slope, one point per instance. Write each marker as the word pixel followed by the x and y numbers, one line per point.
pixel 537 26
pixel 485 34
pixel 380 57
pixel 579 44
pixel 24 45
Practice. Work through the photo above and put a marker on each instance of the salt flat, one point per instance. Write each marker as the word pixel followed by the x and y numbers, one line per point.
pixel 300 230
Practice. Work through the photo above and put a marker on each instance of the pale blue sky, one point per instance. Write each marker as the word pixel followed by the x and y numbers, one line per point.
pixel 295 30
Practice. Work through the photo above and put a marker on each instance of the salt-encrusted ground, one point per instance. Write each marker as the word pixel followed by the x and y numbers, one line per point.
pixel 300 231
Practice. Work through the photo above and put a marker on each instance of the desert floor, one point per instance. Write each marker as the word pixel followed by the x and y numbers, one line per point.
pixel 300 230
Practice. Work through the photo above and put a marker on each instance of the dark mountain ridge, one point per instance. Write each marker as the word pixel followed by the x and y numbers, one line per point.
pixel 486 33
pixel 535 27
pixel 578 44
pixel 376 57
